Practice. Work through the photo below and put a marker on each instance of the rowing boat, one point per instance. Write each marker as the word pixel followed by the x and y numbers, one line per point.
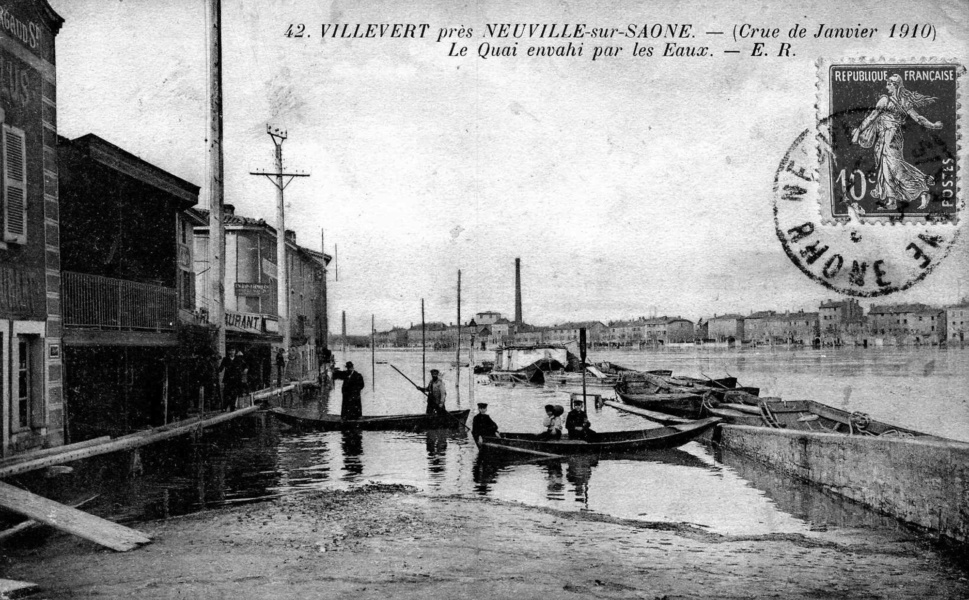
pixel 326 422
pixel 681 405
pixel 612 442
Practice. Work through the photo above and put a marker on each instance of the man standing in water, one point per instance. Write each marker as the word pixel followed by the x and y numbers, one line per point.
pixel 352 407
pixel 436 394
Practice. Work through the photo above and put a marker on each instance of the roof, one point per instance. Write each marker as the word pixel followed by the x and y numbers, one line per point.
pixel 725 317
pixel 576 325
pixel 241 221
pixel 895 309
pixel 102 151
pixel 837 303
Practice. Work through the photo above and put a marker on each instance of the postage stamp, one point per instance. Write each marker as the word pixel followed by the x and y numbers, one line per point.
pixel 891 134
pixel 867 201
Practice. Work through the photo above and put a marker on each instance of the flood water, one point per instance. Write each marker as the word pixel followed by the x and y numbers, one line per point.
pixel 255 458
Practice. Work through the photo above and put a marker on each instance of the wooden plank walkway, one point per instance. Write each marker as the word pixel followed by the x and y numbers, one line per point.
pixel 98 530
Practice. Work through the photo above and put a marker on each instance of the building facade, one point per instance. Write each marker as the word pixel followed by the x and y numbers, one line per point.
pixel 31 371
pixel 251 296
pixel 726 329
pixel 957 323
pixel 132 350
pixel 907 324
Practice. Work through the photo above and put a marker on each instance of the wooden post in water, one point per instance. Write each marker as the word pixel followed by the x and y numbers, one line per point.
pixel 344 335
pixel 373 354
pixel 457 376
pixel 582 358
pixel 423 347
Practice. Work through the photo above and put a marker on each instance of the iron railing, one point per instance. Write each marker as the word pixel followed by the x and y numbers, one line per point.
pixel 105 303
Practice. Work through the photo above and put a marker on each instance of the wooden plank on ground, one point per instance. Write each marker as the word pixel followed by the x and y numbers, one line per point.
pixel 17 458
pixel 29 523
pixel 98 530
pixel 11 588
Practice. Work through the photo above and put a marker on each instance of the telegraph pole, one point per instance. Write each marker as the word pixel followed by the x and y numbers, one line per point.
pixel 214 170
pixel 282 264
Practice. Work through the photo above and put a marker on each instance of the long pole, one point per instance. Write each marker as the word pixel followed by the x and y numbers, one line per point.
pixel 214 171
pixel 324 341
pixel 373 354
pixel 344 335
pixel 282 264
pixel 423 346
pixel 457 376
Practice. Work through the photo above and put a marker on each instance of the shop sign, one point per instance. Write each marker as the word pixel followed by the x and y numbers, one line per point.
pixel 262 290
pixel 248 322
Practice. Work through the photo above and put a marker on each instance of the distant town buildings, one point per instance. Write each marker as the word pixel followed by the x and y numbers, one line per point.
pixel 836 323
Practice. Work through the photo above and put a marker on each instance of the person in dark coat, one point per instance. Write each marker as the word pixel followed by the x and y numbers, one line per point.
pixel 577 422
pixel 234 367
pixel 280 366
pixel 436 394
pixel 482 425
pixel 352 407
pixel 552 422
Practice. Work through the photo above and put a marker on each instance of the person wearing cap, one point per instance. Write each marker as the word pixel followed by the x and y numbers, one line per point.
pixel 352 407
pixel 577 422
pixel 552 422
pixel 436 394
pixel 482 425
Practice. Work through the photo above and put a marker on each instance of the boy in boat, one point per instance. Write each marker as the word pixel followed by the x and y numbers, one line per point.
pixel 436 394
pixel 482 425
pixel 577 421
pixel 552 423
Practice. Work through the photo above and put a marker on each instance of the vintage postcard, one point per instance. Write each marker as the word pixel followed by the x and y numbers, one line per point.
pixel 307 298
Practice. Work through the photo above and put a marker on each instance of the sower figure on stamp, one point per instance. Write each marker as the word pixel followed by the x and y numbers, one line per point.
pixel 436 394
pixel 352 407
pixel 897 180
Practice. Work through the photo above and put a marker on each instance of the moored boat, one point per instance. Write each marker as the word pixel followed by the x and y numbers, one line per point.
pixel 527 364
pixel 327 422
pixel 689 405
pixel 612 442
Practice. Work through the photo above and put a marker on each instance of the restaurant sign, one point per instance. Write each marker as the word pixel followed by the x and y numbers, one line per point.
pixel 248 322
pixel 262 290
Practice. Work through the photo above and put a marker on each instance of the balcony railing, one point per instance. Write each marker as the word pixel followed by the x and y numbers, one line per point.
pixel 106 303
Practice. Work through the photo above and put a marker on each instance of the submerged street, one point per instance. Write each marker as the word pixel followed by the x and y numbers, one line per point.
pixel 256 506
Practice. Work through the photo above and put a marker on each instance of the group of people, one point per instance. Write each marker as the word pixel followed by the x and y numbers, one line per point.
pixel 576 423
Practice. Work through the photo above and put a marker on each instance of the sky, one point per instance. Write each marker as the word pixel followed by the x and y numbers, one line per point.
pixel 627 186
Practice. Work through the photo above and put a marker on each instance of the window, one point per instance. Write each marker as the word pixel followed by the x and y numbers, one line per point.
pixel 14 199
pixel 26 382
pixel 188 290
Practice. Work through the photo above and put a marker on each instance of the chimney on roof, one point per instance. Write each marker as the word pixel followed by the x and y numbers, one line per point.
pixel 290 236
pixel 518 291
pixel 228 210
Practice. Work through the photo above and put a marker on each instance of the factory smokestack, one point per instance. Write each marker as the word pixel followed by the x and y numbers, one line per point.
pixel 518 292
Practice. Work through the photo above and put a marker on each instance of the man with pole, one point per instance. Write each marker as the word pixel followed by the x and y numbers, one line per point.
pixel 436 394
pixel 352 407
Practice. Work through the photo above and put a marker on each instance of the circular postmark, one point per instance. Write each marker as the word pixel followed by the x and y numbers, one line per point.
pixel 852 254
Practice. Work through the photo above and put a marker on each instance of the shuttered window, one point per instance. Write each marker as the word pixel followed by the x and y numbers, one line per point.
pixel 14 186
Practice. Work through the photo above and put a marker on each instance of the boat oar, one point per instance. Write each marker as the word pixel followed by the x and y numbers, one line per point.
pixel 714 380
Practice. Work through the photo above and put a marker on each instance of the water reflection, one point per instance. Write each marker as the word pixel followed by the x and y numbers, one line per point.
pixel 352 445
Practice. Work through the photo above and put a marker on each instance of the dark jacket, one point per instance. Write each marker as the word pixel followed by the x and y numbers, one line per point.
pixel 352 386
pixel 482 425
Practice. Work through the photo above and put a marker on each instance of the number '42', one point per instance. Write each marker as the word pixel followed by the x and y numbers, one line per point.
pixel 295 30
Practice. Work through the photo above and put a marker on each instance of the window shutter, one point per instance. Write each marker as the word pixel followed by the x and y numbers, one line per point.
pixel 14 186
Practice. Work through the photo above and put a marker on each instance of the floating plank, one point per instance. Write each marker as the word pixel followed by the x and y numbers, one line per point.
pixel 17 458
pixel 659 417
pixel 134 440
pixel 98 530
pixel 10 588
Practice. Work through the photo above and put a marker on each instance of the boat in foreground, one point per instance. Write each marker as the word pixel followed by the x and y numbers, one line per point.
pixel 611 442
pixel 454 419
